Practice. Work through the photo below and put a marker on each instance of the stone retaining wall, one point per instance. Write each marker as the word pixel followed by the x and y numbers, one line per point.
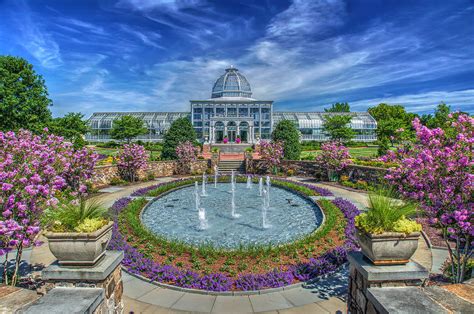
pixel 105 174
pixel 310 168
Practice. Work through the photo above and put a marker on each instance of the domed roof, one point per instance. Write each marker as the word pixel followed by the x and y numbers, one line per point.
pixel 231 84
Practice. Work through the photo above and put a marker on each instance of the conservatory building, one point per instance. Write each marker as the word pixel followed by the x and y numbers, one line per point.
pixel 232 115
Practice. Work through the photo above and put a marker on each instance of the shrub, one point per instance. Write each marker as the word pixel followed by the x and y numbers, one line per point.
pixel 186 153
pixel 271 154
pixel 334 156
pixel 90 225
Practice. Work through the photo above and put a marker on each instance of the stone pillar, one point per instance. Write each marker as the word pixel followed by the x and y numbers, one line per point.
pixel 250 139
pixel 365 275
pixel 106 275
pixel 225 130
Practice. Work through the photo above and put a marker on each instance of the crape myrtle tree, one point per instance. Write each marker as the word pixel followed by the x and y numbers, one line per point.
pixel 130 160
pixel 127 127
pixel 180 131
pixel 24 101
pixel 287 133
pixel 35 170
pixel 338 127
pixel 437 171
pixel 271 154
pixel 186 152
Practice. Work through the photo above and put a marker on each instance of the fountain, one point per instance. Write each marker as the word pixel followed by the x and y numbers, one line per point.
pixel 249 182
pixel 232 204
pixel 197 201
pixel 268 186
pixel 232 180
pixel 260 186
pixel 204 179
pixel 265 206
pixel 202 219
pixel 216 174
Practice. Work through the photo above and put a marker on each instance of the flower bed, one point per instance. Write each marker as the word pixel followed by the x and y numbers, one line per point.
pixel 250 268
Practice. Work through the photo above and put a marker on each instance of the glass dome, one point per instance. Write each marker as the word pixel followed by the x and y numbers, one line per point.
pixel 231 84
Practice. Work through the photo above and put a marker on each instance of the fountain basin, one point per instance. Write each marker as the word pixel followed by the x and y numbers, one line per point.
pixel 289 220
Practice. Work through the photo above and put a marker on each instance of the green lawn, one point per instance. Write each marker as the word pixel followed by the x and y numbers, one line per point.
pixel 370 151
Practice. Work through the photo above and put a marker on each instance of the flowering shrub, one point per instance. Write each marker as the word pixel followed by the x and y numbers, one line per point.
pixel 34 170
pixel 334 156
pixel 130 160
pixel 186 153
pixel 271 153
pixel 437 171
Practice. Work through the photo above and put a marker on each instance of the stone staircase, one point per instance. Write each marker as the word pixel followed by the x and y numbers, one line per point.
pixel 226 166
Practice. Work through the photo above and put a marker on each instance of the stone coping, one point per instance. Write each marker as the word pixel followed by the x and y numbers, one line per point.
pixel 67 300
pixel 410 271
pixel 403 300
pixel 98 272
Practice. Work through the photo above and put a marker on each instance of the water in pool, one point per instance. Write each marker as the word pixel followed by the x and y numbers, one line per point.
pixel 288 216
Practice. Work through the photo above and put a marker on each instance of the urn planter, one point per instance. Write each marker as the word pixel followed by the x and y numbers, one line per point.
pixel 389 248
pixel 79 249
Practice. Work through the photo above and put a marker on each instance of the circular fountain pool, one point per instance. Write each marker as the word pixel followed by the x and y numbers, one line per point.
pixel 289 216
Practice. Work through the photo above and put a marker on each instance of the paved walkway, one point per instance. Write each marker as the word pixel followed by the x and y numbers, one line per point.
pixel 321 296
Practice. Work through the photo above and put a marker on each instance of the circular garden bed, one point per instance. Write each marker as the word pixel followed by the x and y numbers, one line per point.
pixel 246 268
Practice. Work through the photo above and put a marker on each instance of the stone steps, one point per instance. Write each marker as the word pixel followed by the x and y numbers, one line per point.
pixel 226 166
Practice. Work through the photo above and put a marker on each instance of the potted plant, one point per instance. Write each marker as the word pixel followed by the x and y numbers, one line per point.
pixel 385 234
pixel 225 140
pixel 238 140
pixel 78 233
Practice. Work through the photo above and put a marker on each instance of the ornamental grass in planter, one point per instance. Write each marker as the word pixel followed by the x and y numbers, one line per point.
pixel 385 234
pixel 78 233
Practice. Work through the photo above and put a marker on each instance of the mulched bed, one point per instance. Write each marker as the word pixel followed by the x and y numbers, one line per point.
pixel 434 235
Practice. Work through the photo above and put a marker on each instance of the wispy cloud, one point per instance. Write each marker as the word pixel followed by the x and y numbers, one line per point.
pixel 149 38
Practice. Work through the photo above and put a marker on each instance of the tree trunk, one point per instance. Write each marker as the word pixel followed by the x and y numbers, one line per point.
pixel 17 264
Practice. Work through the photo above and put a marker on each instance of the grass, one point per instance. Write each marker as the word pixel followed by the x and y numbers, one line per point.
pixel 204 257
pixel 369 151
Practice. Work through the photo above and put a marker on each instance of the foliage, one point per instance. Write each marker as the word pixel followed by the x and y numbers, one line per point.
pixel 287 133
pixel 375 163
pixel 440 119
pixel 334 156
pixel 337 126
pixel 385 212
pixel 24 98
pixel 437 171
pixel 310 145
pixel 186 153
pixel 180 131
pixel 271 153
pixel 406 226
pixel 390 120
pixel 339 107
pixel 126 213
pixel 34 171
pixel 90 225
pixel 383 146
pixel 72 127
pixel 69 215
pixel 130 160
pixel 127 128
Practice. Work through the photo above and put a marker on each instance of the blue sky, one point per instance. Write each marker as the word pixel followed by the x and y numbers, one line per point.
pixel 132 55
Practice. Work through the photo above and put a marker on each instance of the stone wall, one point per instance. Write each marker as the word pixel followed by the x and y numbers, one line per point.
pixel 310 168
pixel 103 175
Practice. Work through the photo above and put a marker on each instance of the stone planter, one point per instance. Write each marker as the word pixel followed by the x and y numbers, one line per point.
pixel 390 248
pixel 79 249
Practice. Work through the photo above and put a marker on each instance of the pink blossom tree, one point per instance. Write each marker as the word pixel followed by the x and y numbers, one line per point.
pixel 130 160
pixel 34 171
pixel 271 154
pixel 437 171
pixel 186 153
pixel 334 157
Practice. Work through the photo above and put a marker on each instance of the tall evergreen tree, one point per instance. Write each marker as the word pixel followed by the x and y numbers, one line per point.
pixel 180 131
pixel 287 132
pixel 24 101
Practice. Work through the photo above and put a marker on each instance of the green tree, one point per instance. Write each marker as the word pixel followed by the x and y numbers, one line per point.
pixel 439 119
pixel 127 128
pixel 180 131
pixel 339 107
pixel 338 127
pixel 286 132
pixel 72 127
pixel 24 101
pixel 390 120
